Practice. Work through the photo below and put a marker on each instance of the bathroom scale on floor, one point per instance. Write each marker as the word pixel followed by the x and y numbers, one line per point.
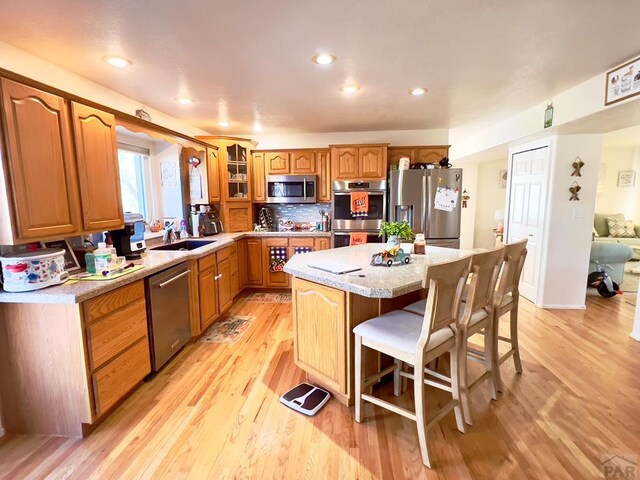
pixel 305 398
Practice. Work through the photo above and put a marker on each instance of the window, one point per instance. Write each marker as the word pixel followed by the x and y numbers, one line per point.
pixel 133 179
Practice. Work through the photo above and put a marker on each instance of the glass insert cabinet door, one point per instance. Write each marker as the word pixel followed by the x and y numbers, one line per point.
pixel 237 172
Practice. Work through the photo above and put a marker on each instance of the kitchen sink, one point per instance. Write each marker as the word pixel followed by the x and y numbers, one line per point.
pixel 185 245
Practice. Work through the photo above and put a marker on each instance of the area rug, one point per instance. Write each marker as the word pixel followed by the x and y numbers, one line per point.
pixel 227 330
pixel 631 277
pixel 270 297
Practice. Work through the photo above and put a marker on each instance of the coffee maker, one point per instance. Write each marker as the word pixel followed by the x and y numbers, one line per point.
pixel 129 241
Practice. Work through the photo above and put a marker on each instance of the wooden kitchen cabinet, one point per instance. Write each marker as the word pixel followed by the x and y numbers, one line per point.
pixel 98 168
pixel 208 291
pixel 238 217
pixel 274 279
pixel 323 243
pixel 277 163
pixel 324 312
pixel 42 176
pixel 223 279
pixel 323 166
pixel 431 154
pixel 213 176
pixel 417 154
pixel 303 162
pixel 372 162
pixel 254 264
pixel 258 177
pixel 234 167
pixel 359 162
pixel 117 344
pixel 344 163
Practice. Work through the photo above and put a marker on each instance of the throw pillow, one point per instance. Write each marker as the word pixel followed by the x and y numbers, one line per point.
pixel 621 228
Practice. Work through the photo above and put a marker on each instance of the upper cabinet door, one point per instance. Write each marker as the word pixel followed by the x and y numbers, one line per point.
pixel 40 162
pixel 98 168
pixel 259 180
pixel 324 176
pixel 344 163
pixel 431 155
pixel 396 154
pixel 303 163
pixel 373 162
pixel 213 175
pixel 277 163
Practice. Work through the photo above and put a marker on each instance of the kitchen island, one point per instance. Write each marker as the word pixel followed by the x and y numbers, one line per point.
pixel 326 307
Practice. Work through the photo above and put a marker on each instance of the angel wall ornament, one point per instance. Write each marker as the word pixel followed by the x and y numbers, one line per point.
pixel 574 189
pixel 577 165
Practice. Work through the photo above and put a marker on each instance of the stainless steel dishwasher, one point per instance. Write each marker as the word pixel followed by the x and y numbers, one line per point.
pixel 168 313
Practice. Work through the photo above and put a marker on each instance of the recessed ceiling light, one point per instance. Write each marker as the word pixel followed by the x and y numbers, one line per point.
pixel 350 89
pixel 223 123
pixel 115 61
pixel 257 127
pixel 324 59
pixel 416 92
pixel 185 100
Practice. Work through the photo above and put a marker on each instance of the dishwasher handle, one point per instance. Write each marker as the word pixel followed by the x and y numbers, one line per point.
pixel 173 279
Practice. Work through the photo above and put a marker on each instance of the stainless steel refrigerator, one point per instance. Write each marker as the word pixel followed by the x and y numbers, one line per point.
pixel 412 198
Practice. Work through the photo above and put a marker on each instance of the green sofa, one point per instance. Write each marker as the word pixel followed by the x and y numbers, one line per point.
pixel 609 253
pixel 602 229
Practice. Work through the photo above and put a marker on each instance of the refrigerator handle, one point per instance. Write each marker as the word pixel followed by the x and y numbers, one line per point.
pixel 423 226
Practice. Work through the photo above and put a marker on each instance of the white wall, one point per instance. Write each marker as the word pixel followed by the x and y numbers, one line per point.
pixel 467 217
pixel 167 200
pixel 28 65
pixel 569 224
pixel 610 197
pixel 323 140
pixel 490 197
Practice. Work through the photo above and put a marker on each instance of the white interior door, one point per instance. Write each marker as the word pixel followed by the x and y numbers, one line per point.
pixel 527 210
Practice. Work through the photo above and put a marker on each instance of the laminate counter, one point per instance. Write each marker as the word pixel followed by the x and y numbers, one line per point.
pixel 370 281
pixel 77 291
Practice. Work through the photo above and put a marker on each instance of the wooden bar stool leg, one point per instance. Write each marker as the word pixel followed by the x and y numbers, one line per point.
pixel 492 351
pixel 396 376
pixel 421 418
pixel 459 362
pixel 359 380
pixel 458 375
pixel 514 337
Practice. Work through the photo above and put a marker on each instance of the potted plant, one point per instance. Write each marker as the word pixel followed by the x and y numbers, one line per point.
pixel 395 231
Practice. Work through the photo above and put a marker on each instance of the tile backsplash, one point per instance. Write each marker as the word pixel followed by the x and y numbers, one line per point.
pixel 296 212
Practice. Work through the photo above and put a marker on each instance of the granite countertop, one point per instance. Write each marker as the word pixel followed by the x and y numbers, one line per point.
pixel 378 282
pixel 154 261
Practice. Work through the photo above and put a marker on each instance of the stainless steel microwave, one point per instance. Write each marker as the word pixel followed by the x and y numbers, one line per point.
pixel 291 188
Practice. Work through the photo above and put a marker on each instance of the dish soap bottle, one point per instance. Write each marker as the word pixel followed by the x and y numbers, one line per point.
pixel 102 258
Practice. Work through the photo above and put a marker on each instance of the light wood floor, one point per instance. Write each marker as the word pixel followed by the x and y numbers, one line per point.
pixel 214 414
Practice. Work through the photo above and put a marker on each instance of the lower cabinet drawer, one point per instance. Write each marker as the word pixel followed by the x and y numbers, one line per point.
pixel 108 337
pixel 118 377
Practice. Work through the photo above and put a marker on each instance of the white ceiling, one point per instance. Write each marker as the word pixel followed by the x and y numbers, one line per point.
pixel 482 60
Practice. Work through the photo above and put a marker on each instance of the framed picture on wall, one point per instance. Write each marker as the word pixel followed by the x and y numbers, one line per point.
pixel 626 178
pixel 502 180
pixel 623 82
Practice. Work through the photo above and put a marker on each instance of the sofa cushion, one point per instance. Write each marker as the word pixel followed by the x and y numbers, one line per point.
pixel 600 222
pixel 610 253
pixel 621 228
pixel 634 242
